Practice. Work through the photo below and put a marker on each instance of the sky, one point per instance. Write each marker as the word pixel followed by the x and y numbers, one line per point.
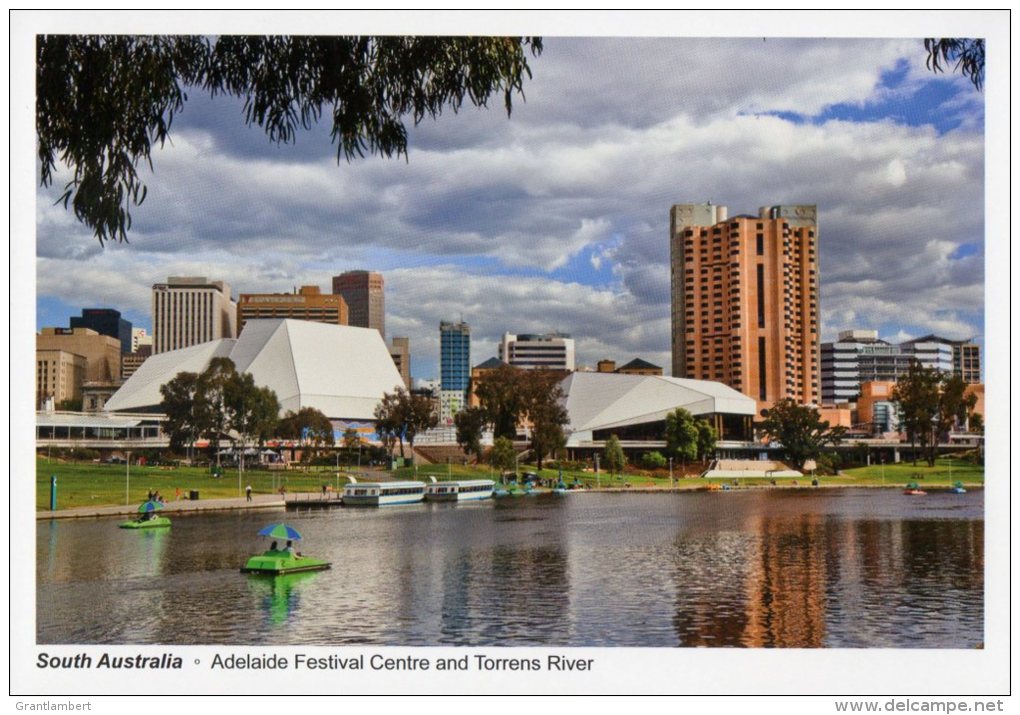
pixel 557 217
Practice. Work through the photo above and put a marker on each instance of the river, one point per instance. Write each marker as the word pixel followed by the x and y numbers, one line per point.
pixel 801 568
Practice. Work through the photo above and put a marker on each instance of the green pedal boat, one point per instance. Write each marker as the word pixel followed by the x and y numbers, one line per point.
pixel 275 562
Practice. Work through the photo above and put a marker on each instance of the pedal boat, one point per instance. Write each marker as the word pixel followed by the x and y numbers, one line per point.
pixel 277 563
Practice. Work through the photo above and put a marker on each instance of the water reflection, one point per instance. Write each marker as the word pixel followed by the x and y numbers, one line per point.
pixel 747 569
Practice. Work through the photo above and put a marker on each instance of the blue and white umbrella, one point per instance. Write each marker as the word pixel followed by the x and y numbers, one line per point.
pixel 281 531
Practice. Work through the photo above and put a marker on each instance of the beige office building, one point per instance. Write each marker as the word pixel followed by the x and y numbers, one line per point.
pixel 189 311
pixel 400 351
pixel 364 293
pixel 308 303
pixel 58 376
pixel 101 352
pixel 745 299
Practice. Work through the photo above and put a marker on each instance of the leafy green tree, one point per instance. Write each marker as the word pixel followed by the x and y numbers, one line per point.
pixel 351 442
pixel 72 404
pixel 183 420
pixel 800 429
pixel 976 423
pixel 500 396
pixel 389 422
pixel 470 426
pixel 613 457
pixel 931 403
pixel 967 55
pixel 707 438
pixel 310 425
pixel 681 436
pixel 252 412
pixel 503 456
pixel 103 101
pixel 211 402
pixel 542 406
pixel 404 415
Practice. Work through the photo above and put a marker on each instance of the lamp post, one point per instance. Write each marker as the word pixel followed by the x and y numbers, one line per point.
pixel 598 478
pixel 672 486
pixel 127 479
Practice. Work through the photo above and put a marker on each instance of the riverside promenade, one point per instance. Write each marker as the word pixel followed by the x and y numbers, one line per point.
pixel 183 506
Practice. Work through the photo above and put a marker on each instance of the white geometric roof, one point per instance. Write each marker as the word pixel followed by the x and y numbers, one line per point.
pixel 602 400
pixel 338 369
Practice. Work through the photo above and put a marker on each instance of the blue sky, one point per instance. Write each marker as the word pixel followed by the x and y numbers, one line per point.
pixel 557 217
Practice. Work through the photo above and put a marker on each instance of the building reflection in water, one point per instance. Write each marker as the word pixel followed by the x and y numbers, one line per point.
pixel 809 581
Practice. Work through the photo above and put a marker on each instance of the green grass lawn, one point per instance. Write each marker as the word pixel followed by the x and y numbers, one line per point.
pixel 91 484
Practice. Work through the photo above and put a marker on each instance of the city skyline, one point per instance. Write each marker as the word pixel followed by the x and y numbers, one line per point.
pixel 557 219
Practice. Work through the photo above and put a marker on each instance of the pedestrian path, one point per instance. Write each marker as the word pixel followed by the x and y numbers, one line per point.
pixel 259 501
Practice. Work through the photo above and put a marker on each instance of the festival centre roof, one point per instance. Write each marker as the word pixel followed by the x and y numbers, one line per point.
pixel 341 370
pixel 601 400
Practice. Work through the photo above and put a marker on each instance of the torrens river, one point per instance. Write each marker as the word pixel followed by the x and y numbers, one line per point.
pixel 787 568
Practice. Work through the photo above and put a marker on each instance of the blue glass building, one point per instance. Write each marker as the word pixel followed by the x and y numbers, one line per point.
pixel 454 356
pixel 105 321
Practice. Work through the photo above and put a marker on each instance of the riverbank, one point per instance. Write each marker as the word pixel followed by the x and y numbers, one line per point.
pixel 109 490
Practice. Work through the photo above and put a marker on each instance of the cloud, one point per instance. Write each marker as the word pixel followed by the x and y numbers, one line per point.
pixel 512 222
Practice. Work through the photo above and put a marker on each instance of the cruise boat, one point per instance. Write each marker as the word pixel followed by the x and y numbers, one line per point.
pixel 383 493
pixel 465 490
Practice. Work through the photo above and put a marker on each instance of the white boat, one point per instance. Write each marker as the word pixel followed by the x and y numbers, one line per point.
pixel 383 493
pixel 466 490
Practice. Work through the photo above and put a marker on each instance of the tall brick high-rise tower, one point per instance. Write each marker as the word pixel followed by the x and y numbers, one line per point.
pixel 363 291
pixel 745 299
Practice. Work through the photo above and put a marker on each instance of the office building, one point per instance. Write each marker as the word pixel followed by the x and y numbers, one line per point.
pixel 400 351
pixel 101 352
pixel 105 321
pixel 745 299
pixel 966 356
pixel 551 351
pixel 859 356
pixel 58 377
pixel 190 311
pixel 308 303
pixel 140 339
pixel 454 357
pixel 363 292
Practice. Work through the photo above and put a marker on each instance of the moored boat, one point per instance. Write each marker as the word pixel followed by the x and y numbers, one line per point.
pixel 913 489
pixel 958 488
pixel 463 490
pixel 383 493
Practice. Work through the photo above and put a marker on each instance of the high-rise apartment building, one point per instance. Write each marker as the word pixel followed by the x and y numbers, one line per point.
pixel 745 299
pixel 454 356
pixel 105 321
pixel 363 292
pixel 188 311
pixel 140 339
pixel 308 303
pixel 552 351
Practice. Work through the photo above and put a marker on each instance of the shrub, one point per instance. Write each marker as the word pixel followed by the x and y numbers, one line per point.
pixel 653 460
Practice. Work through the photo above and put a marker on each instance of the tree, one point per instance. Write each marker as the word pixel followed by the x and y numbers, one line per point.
pixel 389 421
pixel 932 403
pixel 966 54
pixel 653 460
pixel 252 412
pixel 102 101
pixel 182 425
pixel 800 429
pixel 210 401
pixel 402 414
pixel 542 405
pixel 499 394
pixel 707 438
pixel 352 442
pixel 308 425
pixel 503 455
pixel 681 436
pixel 613 457
pixel 470 425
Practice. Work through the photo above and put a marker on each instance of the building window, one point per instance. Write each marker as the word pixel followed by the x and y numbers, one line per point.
pixel 761 369
pixel 761 296
pixel 761 245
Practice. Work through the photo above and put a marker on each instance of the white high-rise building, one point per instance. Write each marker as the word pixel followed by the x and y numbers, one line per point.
pixel 139 338
pixel 552 351
pixel 188 311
